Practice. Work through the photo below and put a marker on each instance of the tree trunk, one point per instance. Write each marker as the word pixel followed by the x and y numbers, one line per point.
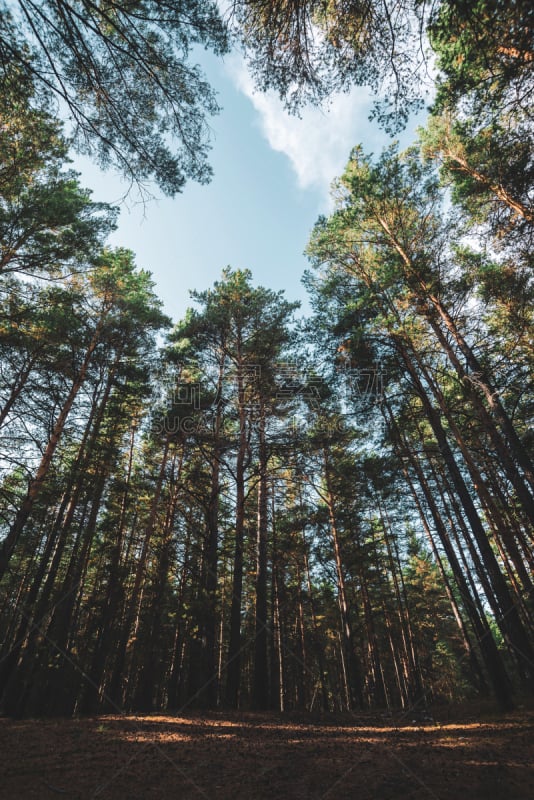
pixel 352 669
pixel 509 620
pixel 490 654
pixel 261 689
pixel 233 677
pixel 116 688
pixel 36 484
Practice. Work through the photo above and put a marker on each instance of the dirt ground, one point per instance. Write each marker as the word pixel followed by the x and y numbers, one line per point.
pixel 260 756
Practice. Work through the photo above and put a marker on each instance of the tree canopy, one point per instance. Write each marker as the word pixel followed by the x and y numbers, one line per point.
pixel 308 49
pixel 244 510
pixel 122 73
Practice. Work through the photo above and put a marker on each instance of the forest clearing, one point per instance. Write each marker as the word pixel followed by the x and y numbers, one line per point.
pixel 261 756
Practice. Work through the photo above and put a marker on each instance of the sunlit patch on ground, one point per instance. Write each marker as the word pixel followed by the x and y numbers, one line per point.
pixel 254 756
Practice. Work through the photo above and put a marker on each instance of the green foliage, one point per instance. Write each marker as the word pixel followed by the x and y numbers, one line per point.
pixel 123 72
pixel 48 224
pixel 483 48
pixel 261 500
pixel 307 50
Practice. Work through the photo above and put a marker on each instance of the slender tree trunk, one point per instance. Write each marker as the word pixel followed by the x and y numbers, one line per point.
pixel 490 654
pixel 233 677
pixel 466 639
pixel 462 165
pixel 500 526
pixel 16 389
pixel 55 691
pixel 261 688
pixel 377 689
pixel 116 688
pixel 208 672
pixel 149 661
pixel 509 620
pixel 36 484
pixel 176 678
pixel 37 602
pixel 91 697
pixel 352 668
pixel 319 652
pixel 415 681
pixel 476 377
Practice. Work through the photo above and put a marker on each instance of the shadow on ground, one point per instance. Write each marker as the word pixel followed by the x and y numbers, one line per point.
pixel 260 756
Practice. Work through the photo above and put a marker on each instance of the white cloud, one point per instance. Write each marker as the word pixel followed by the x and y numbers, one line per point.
pixel 318 143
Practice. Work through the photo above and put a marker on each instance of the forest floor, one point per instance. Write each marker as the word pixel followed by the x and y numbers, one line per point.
pixel 250 756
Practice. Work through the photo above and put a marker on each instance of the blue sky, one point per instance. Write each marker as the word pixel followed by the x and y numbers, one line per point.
pixel 272 174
